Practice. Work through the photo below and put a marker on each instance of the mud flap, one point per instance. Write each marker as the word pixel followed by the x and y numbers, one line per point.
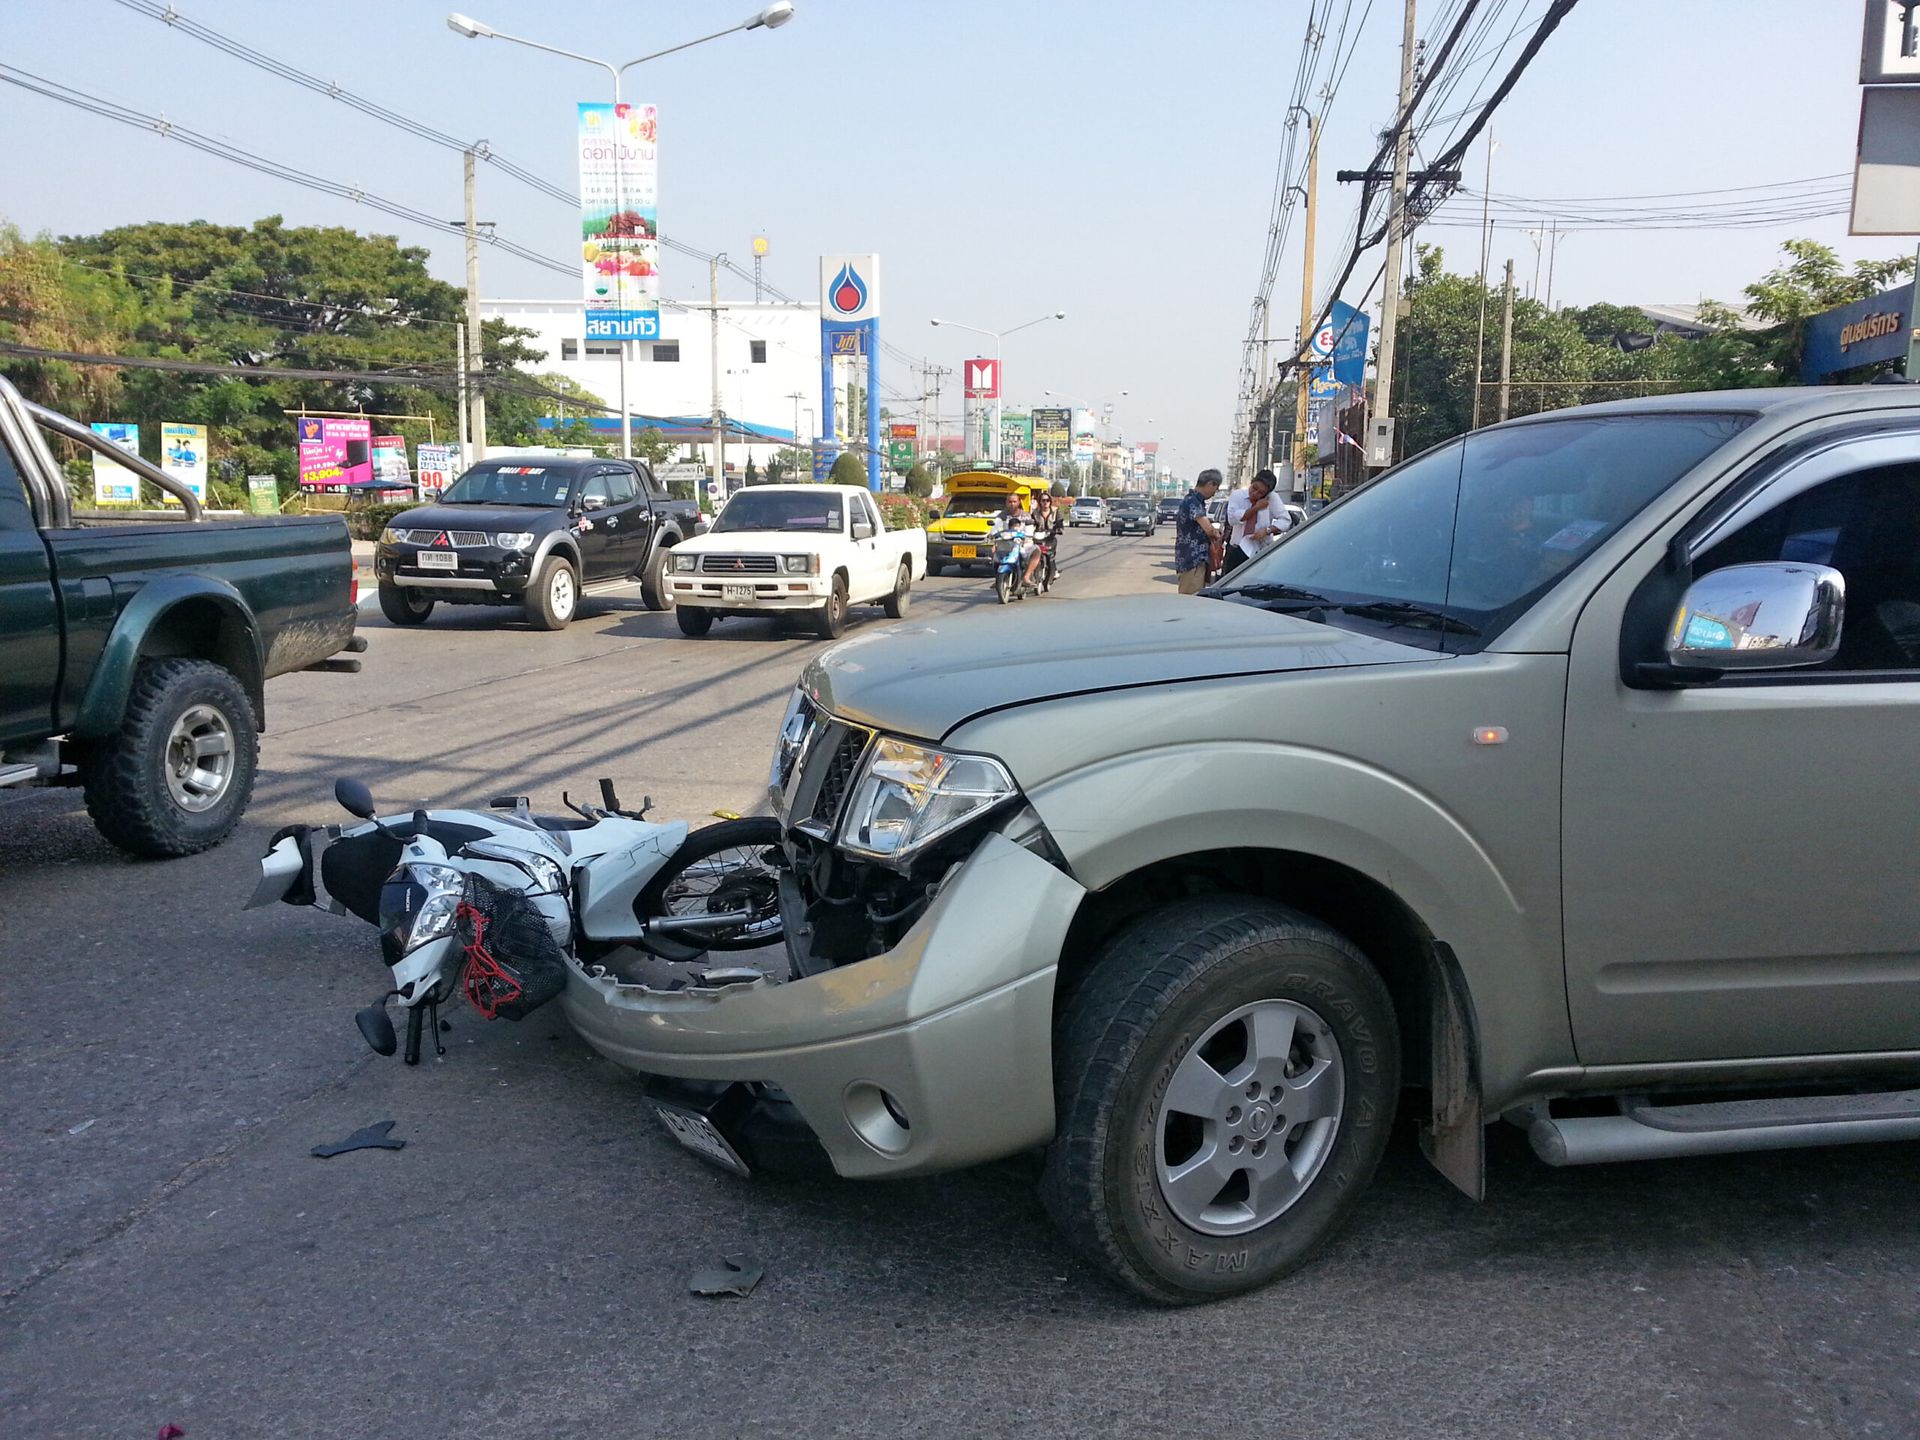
pixel 1454 1138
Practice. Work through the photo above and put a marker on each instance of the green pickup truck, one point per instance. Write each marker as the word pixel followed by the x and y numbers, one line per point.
pixel 134 657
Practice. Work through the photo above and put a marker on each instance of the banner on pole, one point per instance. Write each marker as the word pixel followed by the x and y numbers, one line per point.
pixel 115 484
pixel 1086 443
pixel 183 455
pixel 619 220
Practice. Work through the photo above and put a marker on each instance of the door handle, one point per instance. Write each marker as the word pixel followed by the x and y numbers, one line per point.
pixel 613 522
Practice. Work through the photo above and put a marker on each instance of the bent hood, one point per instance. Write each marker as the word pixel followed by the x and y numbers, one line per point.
pixel 922 678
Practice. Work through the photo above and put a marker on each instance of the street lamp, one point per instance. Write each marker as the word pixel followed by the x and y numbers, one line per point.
pixel 770 17
pixel 998 377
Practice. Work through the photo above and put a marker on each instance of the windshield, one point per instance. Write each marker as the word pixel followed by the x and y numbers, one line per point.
pixel 491 484
pixel 780 510
pixel 974 503
pixel 1457 543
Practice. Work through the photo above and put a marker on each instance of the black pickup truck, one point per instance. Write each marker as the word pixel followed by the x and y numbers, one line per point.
pixel 134 657
pixel 533 530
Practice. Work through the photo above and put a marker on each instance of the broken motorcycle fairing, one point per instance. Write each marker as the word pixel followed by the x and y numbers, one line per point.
pixel 500 902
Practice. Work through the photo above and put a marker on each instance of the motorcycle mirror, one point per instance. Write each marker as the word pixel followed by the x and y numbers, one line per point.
pixel 354 797
pixel 376 1026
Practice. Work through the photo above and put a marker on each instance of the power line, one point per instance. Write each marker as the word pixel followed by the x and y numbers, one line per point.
pixel 207 35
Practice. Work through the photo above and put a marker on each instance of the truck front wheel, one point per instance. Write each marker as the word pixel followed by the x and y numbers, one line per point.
pixel 831 618
pixel 1226 1079
pixel 403 606
pixel 553 596
pixel 179 773
pixel 656 591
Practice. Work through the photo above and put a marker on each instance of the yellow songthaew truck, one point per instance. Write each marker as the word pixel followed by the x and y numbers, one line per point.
pixel 973 498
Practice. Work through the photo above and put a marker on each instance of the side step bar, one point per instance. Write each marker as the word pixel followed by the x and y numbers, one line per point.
pixel 1659 1132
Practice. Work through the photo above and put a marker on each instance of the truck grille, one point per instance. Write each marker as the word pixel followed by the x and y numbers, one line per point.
pixel 818 759
pixel 458 539
pixel 739 565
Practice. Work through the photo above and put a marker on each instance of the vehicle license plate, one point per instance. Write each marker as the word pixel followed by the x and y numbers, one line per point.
pixel 737 594
pixel 702 1137
pixel 965 552
pixel 437 560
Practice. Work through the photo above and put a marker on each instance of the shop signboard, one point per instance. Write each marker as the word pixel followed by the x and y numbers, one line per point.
pixel 263 495
pixel 1086 442
pixel 619 220
pixel 1052 432
pixel 115 484
pixel 1016 436
pixel 902 441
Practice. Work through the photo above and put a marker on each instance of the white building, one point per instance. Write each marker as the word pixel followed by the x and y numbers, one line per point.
pixel 769 365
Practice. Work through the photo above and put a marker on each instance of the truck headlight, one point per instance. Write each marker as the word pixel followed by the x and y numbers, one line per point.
pixel 800 564
pixel 684 564
pixel 908 796
pixel 514 540
pixel 387 537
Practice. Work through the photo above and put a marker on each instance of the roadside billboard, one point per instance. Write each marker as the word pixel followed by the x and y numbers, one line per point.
pixel 1052 432
pixel 981 379
pixel 334 451
pixel 1016 438
pixel 390 461
pixel 183 455
pixel 435 465
pixel 115 484
pixel 619 220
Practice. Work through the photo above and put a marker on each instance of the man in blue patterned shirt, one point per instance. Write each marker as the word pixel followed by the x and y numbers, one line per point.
pixel 1194 535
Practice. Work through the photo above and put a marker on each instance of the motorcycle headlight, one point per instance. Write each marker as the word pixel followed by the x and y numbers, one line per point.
pixel 387 537
pixel 800 564
pixel 684 564
pixel 547 877
pixel 514 540
pixel 444 886
pixel 908 796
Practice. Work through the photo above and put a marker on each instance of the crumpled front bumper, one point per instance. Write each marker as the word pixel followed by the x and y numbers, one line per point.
pixel 936 1054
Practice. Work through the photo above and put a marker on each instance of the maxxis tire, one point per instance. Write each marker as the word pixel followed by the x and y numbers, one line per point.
pixel 1154 989
pixel 538 600
pixel 655 592
pixel 756 830
pixel 401 607
pixel 896 604
pixel 126 774
pixel 831 618
pixel 695 620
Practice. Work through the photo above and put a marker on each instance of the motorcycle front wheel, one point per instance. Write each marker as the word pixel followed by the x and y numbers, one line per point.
pixel 1003 586
pixel 722 869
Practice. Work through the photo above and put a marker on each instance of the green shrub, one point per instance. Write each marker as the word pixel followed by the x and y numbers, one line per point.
pixel 849 469
pixel 365 522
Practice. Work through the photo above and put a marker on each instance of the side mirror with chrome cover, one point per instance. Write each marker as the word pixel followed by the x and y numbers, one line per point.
pixel 1768 616
pixel 593 502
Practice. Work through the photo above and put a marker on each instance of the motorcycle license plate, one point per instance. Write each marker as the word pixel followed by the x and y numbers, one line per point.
pixel 437 560
pixel 965 552
pixel 701 1136
pixel 737 594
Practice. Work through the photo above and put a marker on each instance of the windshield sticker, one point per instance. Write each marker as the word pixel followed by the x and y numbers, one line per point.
pixel 559 493
pixel 1573 534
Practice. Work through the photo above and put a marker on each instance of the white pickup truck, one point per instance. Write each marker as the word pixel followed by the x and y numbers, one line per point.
pixel 779 548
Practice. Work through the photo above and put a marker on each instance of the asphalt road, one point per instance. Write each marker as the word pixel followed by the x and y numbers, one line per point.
pixel 172 1253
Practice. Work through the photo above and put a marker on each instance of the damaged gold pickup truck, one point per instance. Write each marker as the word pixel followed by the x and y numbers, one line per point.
pixel 1554 777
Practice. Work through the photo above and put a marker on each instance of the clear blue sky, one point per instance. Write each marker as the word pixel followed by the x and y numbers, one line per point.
pixel 1005 157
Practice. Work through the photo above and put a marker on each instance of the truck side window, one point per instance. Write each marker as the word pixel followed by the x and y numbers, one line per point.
pixel 649 486
pixel 15 513
pixel 1867 526
pixel 620 487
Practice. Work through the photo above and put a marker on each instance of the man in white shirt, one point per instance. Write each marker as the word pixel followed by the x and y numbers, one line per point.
pixel 1254 516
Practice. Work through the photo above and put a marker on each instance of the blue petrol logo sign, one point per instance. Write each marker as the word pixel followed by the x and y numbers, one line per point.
pixel 849 288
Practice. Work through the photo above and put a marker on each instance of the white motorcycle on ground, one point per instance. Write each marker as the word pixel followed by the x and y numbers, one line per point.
pixel 495 901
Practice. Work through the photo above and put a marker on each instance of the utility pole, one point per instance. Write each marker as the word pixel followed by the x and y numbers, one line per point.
pixel 476 397
pixel 466 436
pixel 796 397
pixel 1553 251
pixel 1486 244
pixel 1306 292
pixel 716 486
pixel 1396 228
pixel 1506 343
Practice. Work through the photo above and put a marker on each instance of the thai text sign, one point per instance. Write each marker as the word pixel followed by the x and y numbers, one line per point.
pixel 619 220
pixel 334 452
pixel 183 455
